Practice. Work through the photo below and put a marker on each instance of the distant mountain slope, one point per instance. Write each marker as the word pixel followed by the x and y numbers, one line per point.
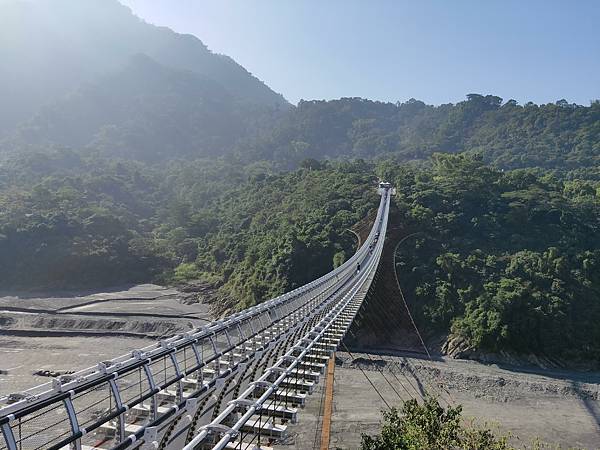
pixel 554 135
pixel 50 47
pixel 89 74
pixel 144 111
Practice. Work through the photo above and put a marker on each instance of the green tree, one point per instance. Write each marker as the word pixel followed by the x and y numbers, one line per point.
pixel 432 427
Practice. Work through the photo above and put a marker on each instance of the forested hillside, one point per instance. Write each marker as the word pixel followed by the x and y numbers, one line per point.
pixel 498 260
pixel 131 153
pixel 50 48
pixel 502 260
pixel 508 135
pixel 67 221
pixel 112 84
pixel 149 112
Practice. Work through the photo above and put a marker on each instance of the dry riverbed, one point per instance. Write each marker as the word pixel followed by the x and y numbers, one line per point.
pixel 72 331
pixel 559 407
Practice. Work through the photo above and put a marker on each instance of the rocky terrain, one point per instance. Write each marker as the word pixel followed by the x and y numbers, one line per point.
pixel 99 326
pixel 560 408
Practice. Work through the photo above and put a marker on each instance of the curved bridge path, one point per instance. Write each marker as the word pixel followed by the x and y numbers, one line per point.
pixel 235 383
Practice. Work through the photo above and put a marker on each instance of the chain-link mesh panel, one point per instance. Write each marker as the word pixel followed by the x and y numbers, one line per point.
pixel 163 370
pixel 164 374
pixel 234 335
pixel 43 428
pixel 264 320
pixel 246 329
pixel 186 359
pixel 205 349
pixel 221 341
pixel 133 386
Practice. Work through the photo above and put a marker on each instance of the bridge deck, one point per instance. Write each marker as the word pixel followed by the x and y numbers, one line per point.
pixel 238 378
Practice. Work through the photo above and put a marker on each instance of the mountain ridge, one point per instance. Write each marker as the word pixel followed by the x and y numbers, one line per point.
pixel 100 37
pixel 145 110
pixel 223 110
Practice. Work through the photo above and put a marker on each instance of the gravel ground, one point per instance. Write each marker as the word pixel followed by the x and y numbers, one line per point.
pixel 21 356
pixel 561 408
pixel 72 331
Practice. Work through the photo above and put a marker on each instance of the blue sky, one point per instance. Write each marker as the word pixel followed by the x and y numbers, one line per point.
pixel 435 51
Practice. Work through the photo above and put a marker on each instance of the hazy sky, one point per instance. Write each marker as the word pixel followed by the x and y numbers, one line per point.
pixel 436 51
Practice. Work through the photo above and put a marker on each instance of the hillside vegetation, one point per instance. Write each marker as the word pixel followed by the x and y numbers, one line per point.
pixel 67 221
pixel 502 260
pixel 131 90
pixel 430 426
pixel 150 112
pixel 508 135
pixel 498 260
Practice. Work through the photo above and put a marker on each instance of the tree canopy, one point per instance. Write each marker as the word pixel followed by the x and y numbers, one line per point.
pixel 430 426
pixel 502 260
pixel 498 260
pixel 251 232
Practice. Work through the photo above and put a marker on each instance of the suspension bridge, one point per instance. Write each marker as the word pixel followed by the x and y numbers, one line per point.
pixel 236 383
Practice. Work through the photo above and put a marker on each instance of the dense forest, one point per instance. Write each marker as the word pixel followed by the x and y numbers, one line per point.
pixel 170 114
pixel 502 259
pixel 499 260
pixel 508 135
pixel 71 221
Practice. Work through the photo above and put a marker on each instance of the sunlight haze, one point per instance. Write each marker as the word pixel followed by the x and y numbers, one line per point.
pixel 299 224
pixel 435 51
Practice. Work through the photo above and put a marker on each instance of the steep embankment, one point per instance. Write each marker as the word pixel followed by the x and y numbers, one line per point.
pixel 36 324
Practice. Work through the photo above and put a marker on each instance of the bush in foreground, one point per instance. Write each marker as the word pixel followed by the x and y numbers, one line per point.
pixel 433 427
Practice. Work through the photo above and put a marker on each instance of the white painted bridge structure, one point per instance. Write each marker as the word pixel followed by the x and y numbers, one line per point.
pixel 234 384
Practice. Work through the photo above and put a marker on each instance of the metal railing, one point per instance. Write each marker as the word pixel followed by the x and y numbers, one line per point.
pixel 167 394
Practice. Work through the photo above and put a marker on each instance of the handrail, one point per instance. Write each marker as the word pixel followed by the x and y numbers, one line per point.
pixel 220 336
